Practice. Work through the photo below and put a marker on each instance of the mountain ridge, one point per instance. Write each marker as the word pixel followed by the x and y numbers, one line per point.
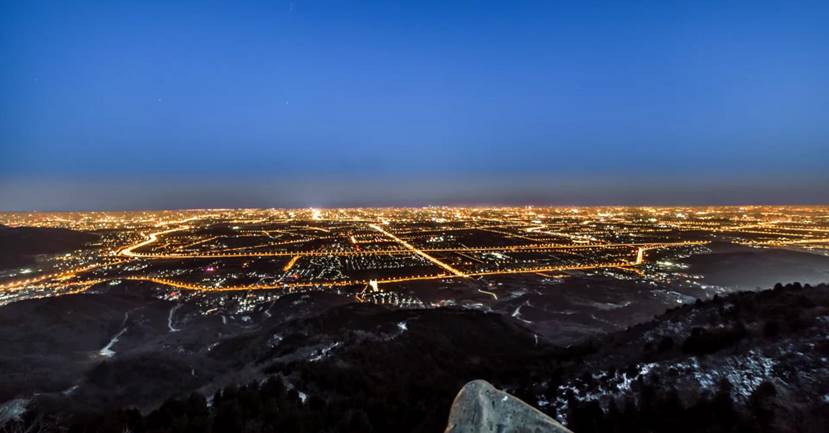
pixel 336 366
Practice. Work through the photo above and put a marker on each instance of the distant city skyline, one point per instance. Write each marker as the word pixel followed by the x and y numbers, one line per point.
pixel 159 194
pixel 297 104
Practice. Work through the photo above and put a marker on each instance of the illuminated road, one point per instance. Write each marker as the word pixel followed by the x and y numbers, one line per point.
pixel 58 276
pixel 418 252
pixel 151 239
pixel 290 264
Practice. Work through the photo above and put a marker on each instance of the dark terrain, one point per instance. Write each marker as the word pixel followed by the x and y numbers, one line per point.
pixel 21 246
pixel 316 363
pixel 744 268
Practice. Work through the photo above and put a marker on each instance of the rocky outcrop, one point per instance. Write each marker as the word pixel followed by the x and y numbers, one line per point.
pixel 480 408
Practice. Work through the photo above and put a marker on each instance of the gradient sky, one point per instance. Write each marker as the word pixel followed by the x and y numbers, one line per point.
pixel 151 104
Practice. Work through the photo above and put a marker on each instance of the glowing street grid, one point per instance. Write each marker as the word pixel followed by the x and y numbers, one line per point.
pixel 367 251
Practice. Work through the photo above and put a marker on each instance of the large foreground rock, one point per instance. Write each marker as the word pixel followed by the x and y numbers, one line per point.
pixel 480 408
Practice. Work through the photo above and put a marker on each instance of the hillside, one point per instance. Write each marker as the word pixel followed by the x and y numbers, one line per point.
pixel 323 365
pixel 744 362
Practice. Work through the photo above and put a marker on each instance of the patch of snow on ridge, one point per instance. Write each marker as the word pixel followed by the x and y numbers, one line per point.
pixel 323 353
pixel 745 373
pixel 12 410
pixel 170 318
pixel 619 383
pixel 107 350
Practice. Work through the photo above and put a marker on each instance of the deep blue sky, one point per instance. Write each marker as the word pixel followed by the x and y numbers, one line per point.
pixel 107 104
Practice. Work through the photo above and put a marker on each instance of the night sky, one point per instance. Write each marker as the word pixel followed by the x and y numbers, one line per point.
pixel 150 104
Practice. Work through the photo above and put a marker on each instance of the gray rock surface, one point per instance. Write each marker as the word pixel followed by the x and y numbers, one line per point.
pixel 480 408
